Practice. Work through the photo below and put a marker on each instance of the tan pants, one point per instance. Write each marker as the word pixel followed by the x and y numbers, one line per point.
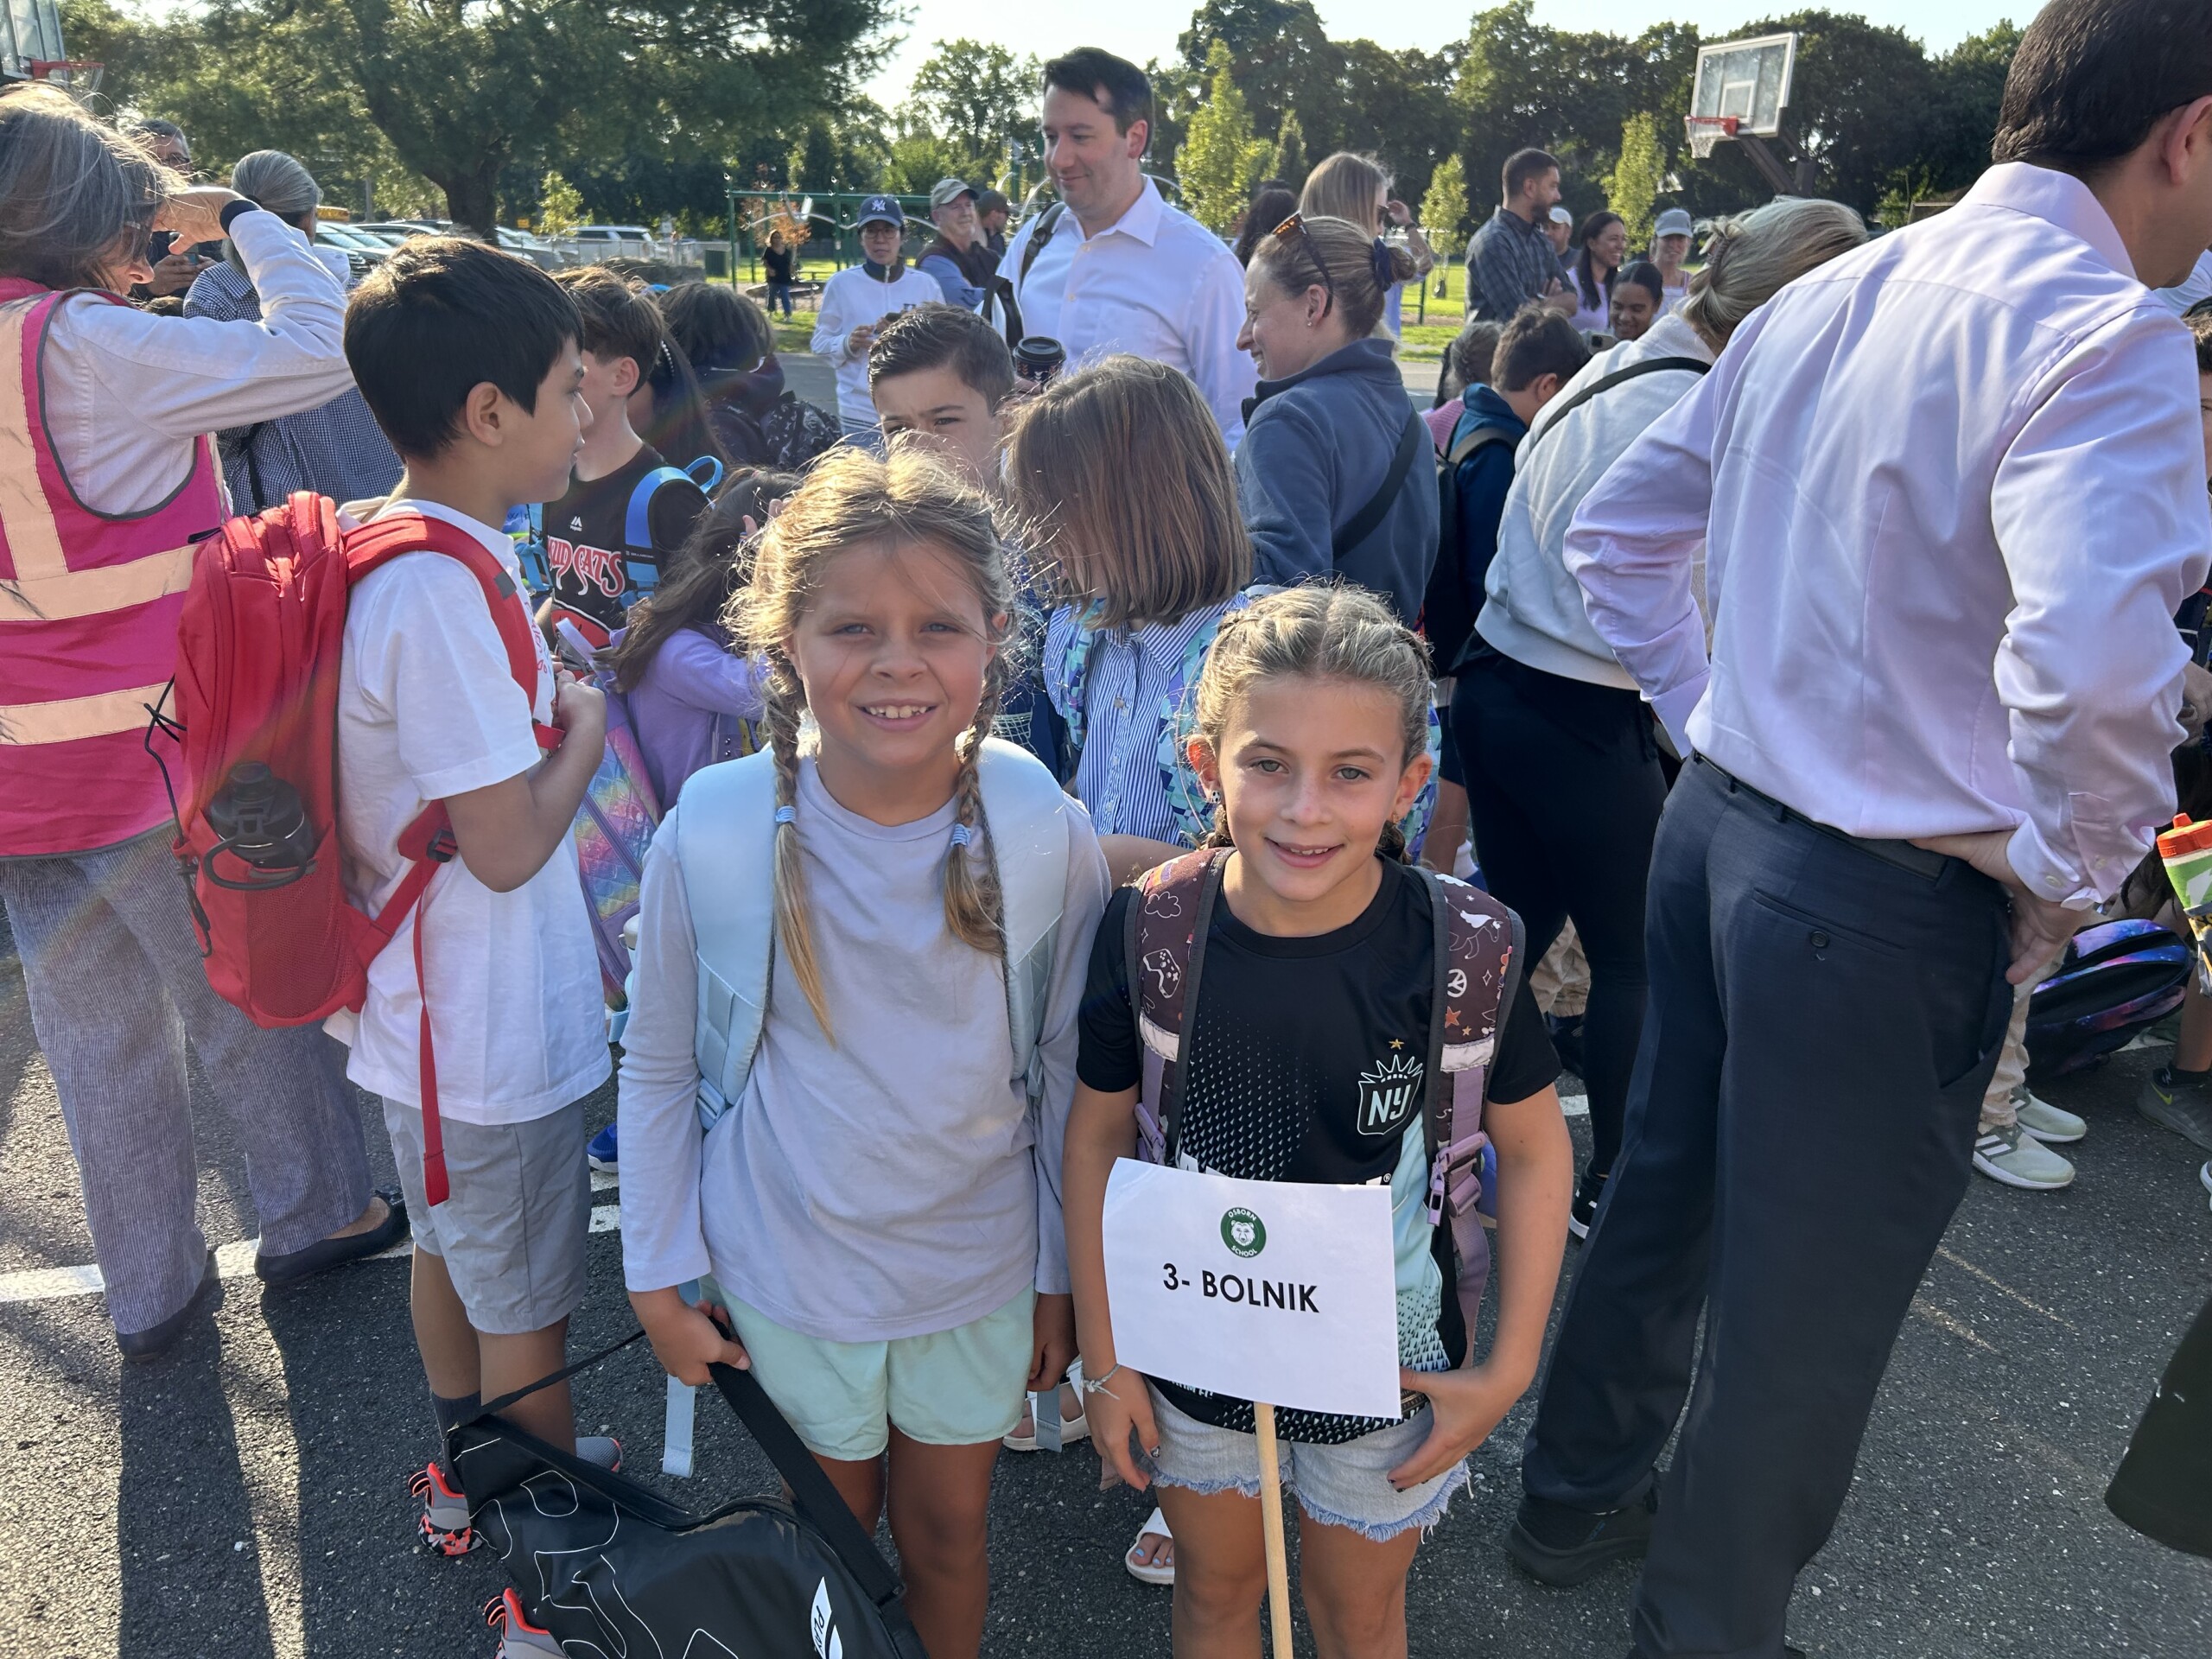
pixel 1561 981
pixel 2001 1107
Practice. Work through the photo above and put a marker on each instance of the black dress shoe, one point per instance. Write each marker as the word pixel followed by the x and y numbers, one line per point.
pixel 325 1253
pixel 157 1339
pixel 1560 1546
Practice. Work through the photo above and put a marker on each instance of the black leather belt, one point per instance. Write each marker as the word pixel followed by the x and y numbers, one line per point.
pixel 1902 854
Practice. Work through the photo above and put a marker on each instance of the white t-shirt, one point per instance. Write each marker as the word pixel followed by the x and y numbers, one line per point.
pixel 428 709
pixel 2198 285
pixel 853 296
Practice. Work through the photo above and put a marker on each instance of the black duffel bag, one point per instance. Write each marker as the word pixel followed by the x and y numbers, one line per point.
pixel 607 1566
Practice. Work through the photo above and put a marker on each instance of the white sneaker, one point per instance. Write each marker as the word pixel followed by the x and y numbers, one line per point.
pixel 2016 1158
pixel 2047 1123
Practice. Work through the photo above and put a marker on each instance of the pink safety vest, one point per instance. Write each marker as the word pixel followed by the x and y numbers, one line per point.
pixel 88 618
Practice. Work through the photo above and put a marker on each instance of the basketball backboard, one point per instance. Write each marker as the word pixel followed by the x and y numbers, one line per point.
pixel 1747 79
pixel 30 30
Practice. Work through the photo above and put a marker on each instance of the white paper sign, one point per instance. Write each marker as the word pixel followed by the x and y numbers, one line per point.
pixel 1265 1290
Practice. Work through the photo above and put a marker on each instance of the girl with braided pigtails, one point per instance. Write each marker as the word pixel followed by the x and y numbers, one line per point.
pixel 831 1173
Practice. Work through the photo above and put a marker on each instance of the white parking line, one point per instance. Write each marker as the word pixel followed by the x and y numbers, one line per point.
pixel 233 1261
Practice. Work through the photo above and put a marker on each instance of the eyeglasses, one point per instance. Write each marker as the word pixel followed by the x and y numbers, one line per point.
pixel 1295 225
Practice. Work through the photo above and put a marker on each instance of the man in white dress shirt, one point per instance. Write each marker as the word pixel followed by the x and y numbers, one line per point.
pixel 1939 706
pixel 1119 270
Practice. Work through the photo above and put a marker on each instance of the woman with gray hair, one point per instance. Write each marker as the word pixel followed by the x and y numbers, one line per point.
pixel 107 483
pixel 1558 747
pixel 336 449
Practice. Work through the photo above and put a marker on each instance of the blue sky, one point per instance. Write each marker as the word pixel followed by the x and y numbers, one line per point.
pixel 1144 28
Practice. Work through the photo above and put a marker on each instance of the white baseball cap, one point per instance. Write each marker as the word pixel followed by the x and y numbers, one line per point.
pixel 1560 216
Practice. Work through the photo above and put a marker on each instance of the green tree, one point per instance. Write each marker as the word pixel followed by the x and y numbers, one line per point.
pixel 980 99
pixel 1220 159
pixel 1969 87
pixel 1281 59
pixel 1639 176
pixel 1288 161
pixel 813 164
pixel 461 91
pixel 560 206
pixel 1444 205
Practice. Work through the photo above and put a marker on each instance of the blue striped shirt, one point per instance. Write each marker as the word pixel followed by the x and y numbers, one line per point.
pixel 1125 707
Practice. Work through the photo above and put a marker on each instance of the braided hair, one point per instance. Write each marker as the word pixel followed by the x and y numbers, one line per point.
pixel 850 500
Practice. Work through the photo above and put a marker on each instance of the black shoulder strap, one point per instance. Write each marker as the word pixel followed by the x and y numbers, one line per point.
pixel 1009 293
pixel 1480 438
pixel 1362 525
pixel 1558 412
pixel 1047 222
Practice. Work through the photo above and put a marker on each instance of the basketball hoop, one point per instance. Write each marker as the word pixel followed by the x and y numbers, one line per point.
pixel 1707 131
pixel 79 77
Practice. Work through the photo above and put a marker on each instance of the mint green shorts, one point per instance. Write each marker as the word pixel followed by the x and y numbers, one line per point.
pixel 961 1387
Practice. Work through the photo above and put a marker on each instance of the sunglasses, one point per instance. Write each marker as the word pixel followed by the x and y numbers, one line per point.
pixel 1295 226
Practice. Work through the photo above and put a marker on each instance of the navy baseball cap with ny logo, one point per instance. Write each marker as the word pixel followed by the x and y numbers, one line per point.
pixel 882 210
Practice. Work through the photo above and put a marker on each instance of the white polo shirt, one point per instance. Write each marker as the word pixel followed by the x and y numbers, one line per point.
pixel 1156 284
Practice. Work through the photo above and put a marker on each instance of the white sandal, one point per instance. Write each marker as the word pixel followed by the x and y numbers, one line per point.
pixel 1073 1429
pixel 1155 1526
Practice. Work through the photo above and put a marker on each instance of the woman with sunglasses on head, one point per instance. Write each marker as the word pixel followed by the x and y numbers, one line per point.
pixel 1336 473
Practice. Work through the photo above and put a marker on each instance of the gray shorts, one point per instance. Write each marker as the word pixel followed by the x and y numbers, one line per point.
pixel 1346 1484
pixel 511 1231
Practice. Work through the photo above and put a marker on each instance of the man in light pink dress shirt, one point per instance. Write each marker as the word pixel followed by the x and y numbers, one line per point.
pixel 1951 491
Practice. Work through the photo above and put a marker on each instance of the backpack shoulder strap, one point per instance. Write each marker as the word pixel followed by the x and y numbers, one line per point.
pixel 1164 943
pixel 1411 442
pixel 1048 224
pixel 637 516
pixel 1554 414
pixel 1481 438
pixel 1477 958
pixel 725 844
pixel 1025 815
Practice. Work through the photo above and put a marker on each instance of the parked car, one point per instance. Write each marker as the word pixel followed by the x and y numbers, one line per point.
pixel 362 252
pixel 536 249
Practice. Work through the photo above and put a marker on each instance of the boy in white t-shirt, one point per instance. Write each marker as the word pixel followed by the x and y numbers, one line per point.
pixel 856 300
pixel 468 358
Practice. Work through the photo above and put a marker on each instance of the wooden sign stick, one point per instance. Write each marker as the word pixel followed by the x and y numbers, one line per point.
pixel 1271 1531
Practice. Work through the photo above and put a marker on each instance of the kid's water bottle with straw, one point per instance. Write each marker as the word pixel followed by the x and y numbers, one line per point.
pixel 2186 851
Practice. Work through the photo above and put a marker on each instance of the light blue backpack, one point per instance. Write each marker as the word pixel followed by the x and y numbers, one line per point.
pixel 725 842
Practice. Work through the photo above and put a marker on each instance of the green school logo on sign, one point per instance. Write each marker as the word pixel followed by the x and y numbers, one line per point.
pixel 1244 1232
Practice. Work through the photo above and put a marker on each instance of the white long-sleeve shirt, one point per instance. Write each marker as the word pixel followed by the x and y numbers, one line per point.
pixel 128 392
pixel 893 1182
pixel 1155 283
pixel 1952 489
pixel 863 293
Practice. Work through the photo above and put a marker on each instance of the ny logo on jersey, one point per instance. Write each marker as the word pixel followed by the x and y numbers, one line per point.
pixel 1389 1093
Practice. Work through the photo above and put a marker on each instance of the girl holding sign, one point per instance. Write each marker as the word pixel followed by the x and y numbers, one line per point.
pixel 1303 1058
pixel 845 1079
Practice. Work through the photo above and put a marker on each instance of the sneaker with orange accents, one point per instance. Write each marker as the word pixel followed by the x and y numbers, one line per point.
pixel 518 1638
pixel 444 1522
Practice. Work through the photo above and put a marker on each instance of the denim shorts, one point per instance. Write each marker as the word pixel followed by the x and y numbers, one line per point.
pixel 961 1387
pixel 1344 1485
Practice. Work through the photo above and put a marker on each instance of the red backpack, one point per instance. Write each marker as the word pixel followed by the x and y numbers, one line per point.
pixel 255 714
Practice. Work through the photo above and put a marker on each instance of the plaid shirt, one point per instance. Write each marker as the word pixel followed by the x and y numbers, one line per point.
pixel 1509 263
pixel 335 449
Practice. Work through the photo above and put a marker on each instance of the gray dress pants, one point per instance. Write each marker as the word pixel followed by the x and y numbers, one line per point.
pixel 116 987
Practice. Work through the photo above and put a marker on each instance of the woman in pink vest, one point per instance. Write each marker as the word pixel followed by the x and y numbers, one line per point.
pixel 107 480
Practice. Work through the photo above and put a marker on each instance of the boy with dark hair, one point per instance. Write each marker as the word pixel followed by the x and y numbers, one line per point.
pixel 613 512
pixel 468 358
pixel 942 374
pixel 1539 352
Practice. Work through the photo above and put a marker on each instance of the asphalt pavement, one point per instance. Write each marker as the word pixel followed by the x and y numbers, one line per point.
pixel 246 1497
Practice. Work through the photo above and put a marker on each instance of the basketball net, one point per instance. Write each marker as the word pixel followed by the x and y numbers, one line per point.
pixel 1707 131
